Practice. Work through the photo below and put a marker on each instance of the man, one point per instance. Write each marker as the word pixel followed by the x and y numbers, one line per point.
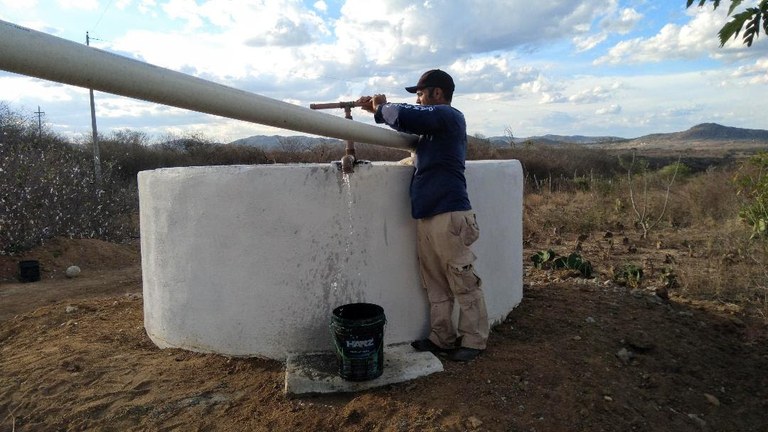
pixel 446 225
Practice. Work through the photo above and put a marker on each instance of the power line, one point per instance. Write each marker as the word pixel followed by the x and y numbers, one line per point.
pixel 102 14
pixel 39 123
pixel 96 156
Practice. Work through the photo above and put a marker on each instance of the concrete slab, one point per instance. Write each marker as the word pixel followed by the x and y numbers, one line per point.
pixel 319 372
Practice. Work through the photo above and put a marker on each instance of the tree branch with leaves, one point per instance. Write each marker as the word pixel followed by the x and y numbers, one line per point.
pixel 750 20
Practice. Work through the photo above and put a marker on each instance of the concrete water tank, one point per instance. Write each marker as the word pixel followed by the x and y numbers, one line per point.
pixel 252 260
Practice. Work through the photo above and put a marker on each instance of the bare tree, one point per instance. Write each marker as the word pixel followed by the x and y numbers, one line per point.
pixel 643 216
pixel 509 136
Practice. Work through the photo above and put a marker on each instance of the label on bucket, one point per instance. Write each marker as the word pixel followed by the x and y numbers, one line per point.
pixel 368 343
pixel 359 346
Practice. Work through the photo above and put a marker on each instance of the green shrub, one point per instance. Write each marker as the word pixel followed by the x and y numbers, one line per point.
pixel 753 188
pixel 548 259
pixel 630 275
pixel 678 169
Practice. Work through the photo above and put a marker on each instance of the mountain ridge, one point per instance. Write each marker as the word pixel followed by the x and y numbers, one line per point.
pixel 709 131
pixel 702 134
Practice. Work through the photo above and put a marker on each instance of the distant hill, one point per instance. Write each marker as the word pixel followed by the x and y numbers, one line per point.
pixel 263 141
pixel 709 131
pixel 702 136
pixel 273 141
pixel 569 139
pixel 556 140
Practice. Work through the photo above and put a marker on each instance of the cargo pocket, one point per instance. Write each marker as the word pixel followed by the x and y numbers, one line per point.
pixel 462 277
pixel 470 231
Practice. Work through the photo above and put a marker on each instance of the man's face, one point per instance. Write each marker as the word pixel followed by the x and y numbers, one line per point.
pixel 427 96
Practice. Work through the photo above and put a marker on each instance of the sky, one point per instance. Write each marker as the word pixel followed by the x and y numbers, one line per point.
pixel 622 68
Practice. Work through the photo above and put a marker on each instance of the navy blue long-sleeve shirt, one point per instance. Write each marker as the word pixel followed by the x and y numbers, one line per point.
pixel 438 184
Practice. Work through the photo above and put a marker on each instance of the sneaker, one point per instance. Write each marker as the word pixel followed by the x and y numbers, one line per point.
pixel 465 354
pixel 428 345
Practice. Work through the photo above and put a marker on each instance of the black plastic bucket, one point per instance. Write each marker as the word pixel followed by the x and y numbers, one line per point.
pixel 29 271
pixel 358 334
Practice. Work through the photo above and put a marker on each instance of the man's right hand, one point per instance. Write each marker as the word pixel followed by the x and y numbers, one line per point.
pixel 366 103
pixel 371 103
pixel 378 99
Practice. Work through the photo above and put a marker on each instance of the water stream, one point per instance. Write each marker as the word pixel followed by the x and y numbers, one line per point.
pixel 344 257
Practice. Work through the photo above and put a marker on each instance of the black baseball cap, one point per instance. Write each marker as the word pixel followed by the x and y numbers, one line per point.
pixel 433 78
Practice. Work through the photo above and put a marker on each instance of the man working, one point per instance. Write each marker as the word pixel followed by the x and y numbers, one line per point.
pixel 446 225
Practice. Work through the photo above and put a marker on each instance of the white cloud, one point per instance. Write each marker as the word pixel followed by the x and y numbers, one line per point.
pixel 321 6
pixel 756 73
pixel 23 89
pixel 147 7
pixel 622 22
pixel 539 85
pixel 186 10
pixel 115 107
pixel 552 97
pixel 561 118
pixel 547 91
pixel 693 40
pixel 586 43
pixel 284 32
pixel 87 5
pixel 580 94
pixel 491 74
pixel 18 5
pixel 592 95
pixel 275 41
pixel 253 36
pixel 422 34
pixel 626 21
pixel 611 109
pixel 526 65
pixel 684 109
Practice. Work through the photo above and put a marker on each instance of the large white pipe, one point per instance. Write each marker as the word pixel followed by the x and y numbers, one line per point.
pixel 29 52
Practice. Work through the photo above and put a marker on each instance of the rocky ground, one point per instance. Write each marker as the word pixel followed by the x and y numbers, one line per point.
pixel 576 355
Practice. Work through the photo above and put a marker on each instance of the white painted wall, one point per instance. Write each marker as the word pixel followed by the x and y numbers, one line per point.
pixel 251 260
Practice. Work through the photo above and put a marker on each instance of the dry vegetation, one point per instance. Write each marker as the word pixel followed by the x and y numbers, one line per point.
pixel 47 189
pixel 686 303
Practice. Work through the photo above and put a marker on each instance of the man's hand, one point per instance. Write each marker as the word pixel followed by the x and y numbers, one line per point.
pixel 367 103
pixel 371 103
pixel 378 99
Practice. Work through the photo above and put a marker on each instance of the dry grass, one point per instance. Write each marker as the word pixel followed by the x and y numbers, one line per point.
pixel 716 260
pixel 568 212
pixel 731 268
pixel 570 191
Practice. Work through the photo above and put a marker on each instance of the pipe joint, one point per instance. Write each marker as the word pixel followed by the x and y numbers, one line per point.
pixel 348 164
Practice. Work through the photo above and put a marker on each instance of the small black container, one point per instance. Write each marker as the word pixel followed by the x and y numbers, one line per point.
pixel 29 271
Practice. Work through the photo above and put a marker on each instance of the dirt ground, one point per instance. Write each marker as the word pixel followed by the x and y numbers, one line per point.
pixel 575 355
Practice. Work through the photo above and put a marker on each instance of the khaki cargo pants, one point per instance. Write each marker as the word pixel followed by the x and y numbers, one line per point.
pixel 447 274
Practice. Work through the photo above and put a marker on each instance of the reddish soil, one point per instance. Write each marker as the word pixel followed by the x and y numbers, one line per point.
pixel 575 355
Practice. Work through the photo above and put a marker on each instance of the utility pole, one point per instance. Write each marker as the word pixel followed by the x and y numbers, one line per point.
pixel 39 123
pixel 96 156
